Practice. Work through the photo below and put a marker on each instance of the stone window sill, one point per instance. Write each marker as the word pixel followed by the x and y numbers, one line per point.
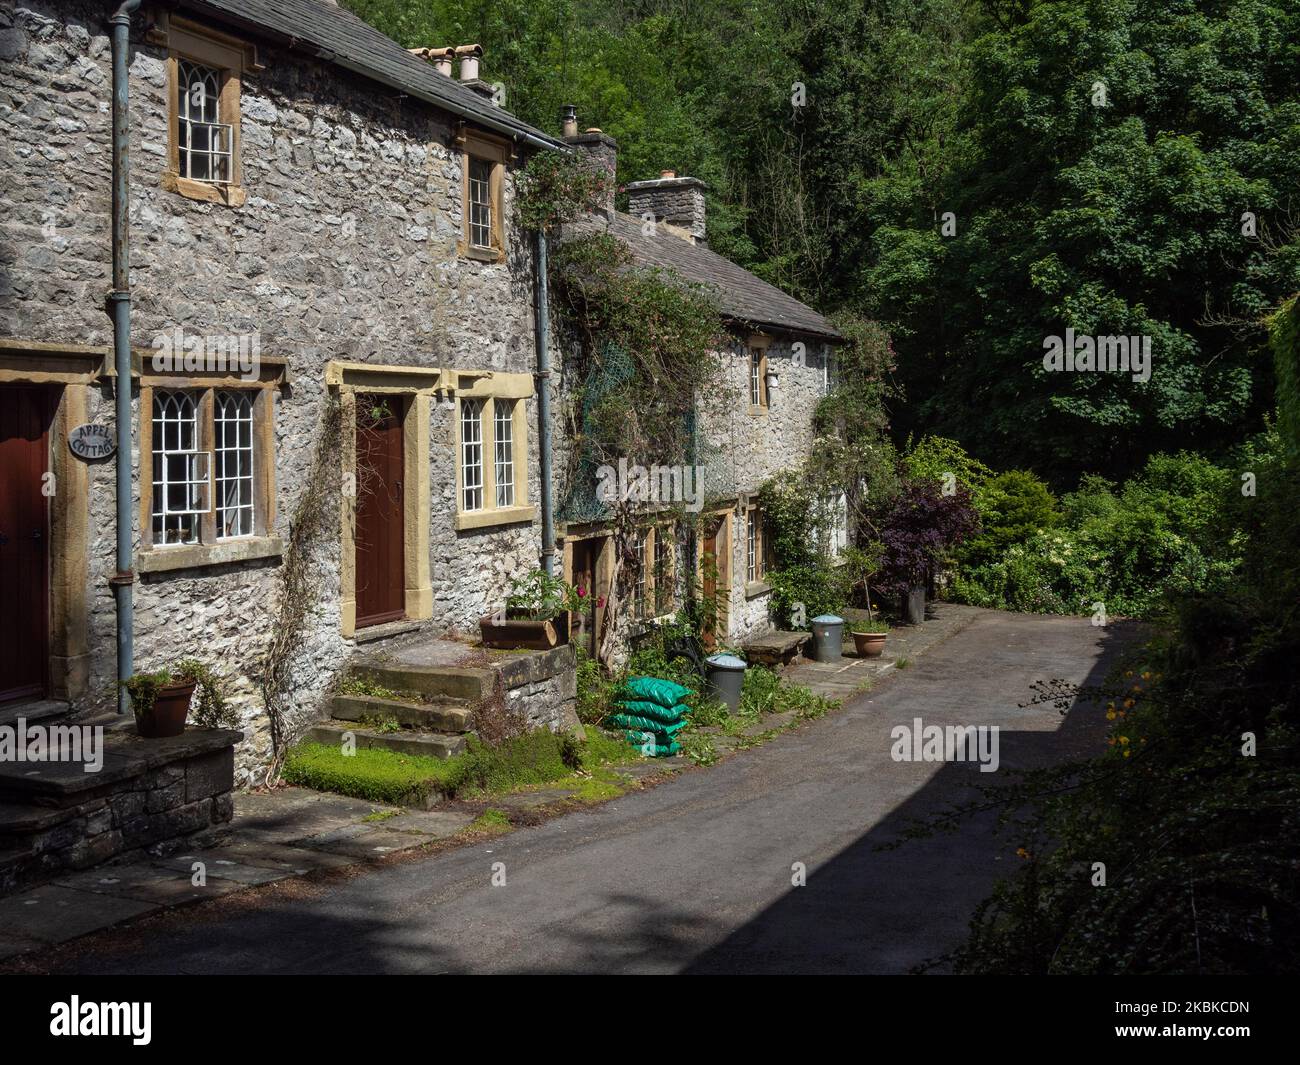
pixel 197 556
pixel 483 255
pixel 756 588
pixel 227 195
pixel 479 519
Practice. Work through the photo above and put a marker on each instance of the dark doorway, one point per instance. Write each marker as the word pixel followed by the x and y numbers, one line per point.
pixel 583 624
pixel 380 546
pixel 26 412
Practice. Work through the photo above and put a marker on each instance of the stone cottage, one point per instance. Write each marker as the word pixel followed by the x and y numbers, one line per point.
pixel 332 311
pixel 777 368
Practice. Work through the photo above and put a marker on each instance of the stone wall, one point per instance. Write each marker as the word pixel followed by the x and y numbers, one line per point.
pixel 345 249
pixel 542 688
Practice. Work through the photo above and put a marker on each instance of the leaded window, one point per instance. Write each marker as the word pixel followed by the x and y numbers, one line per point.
pixel 232 419
pixel 180 474
pixel 205 143
pixel 471 454
pixel 503 422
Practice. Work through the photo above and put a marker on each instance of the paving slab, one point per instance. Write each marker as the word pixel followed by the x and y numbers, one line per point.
pixel 363 842
pixel 217 863
pixel 148 882
pixel 53 914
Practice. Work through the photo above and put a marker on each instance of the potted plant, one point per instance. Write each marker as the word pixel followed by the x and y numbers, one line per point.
pixel 869 638
pixel 161 700
pixel 536 614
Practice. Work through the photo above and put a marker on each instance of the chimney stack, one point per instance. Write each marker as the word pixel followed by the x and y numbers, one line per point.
pixel 601 151
pixel 677 202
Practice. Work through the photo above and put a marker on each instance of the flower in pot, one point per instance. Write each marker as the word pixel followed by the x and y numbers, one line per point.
pixel 536 614
pixel 161 700
pixel 869 638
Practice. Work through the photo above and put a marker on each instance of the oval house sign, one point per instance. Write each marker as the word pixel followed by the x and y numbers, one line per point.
pixel 92 441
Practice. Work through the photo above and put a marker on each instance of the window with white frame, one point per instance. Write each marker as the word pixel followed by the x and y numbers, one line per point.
pixel 639 604
pixel 503 417
pixel 492 483
pixel 757 375
pixel 205 144
pixel 753 542
pixel 471 454
pixel 180 469
pixel 232 422
pixel 480 202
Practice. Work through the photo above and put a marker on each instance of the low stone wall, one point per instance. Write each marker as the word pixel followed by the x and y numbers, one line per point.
pixel 542 687
pixel 150 792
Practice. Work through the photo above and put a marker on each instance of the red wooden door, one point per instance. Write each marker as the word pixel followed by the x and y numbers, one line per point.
pixel 381 561
pixel 25 415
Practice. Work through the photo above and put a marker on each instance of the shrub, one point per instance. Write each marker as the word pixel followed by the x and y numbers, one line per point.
pixel 934 456
pixel 918 529
pixel 1013 507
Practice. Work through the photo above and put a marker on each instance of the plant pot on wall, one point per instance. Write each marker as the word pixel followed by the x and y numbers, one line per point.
pixel 522 632
pixel 166 716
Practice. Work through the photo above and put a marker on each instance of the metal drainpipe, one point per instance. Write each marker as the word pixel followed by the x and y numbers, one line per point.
pixel 543 334
pixel 120 310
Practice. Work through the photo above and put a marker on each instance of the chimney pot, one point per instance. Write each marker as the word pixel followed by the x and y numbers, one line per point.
pixel 667 173
pixel 469 55
pixel 569 120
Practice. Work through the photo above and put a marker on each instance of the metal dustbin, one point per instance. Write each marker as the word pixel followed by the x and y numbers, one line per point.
pixel 828 638
pixel 724 676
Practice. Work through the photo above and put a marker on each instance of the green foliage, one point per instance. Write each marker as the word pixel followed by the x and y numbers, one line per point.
pixel 1177 526
pixel 526 760
pixel 1013 507
pixel 1285 326
pixel 647 341
pixel 371 773
pixel 352 684
pixel 208 707
pixel 870 627
pixel 539 596
pixel 555 188
pixel 1120 218
pixel 933 458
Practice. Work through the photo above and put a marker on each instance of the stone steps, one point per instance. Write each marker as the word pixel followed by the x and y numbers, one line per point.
pixel 405 741
pixel 469 684
pixel 451 717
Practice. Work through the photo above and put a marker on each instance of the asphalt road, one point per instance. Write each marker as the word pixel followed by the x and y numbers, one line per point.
pixel 695 875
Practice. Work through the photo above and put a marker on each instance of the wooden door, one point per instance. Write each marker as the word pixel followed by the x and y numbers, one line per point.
pixel 583 623
pixel 25 415
pixel 380 544
pixel 713 579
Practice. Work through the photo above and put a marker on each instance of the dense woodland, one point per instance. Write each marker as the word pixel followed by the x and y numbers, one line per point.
pixel 1119 213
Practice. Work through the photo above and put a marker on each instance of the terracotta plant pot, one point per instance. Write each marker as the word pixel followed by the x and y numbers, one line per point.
pixel 869 644
pixel 167 715
pixel 513 633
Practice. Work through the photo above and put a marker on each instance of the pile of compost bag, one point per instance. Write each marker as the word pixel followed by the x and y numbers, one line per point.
pixel 651 712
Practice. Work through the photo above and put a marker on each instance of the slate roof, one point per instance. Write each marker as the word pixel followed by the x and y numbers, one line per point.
pixel 743 297
pixel 336 35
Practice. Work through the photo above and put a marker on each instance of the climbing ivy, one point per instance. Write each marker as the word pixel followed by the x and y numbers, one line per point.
pixel 557 187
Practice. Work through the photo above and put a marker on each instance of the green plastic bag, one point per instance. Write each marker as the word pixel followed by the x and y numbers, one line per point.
pixel 652 750
pixel 652 689
pixel 653 710
pixel 645 724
